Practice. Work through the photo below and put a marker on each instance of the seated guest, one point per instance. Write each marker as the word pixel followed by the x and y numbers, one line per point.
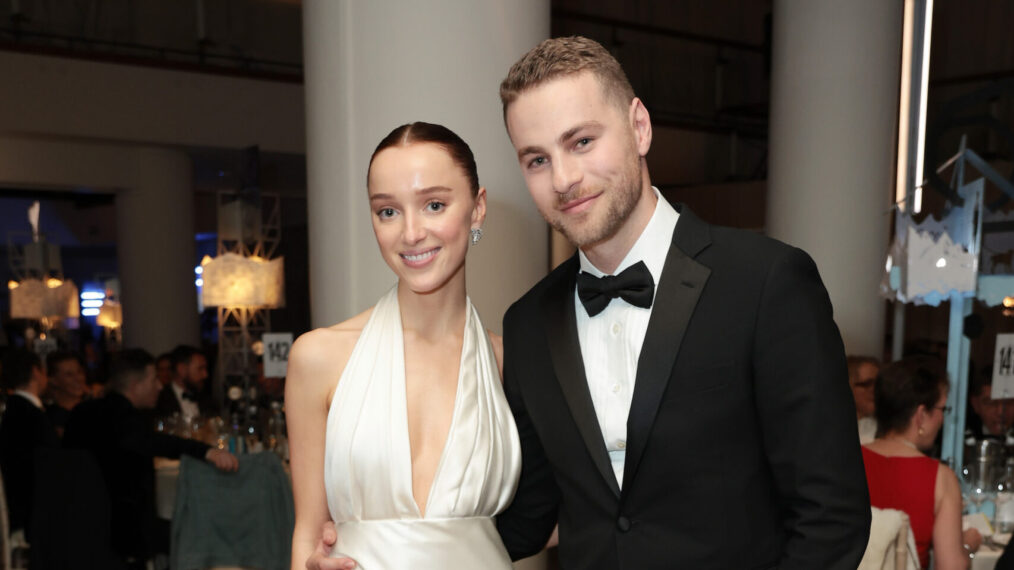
pixel 910 398
pixel 863 371
pixel 990 418
pixel 23 429
pixel 118 434
pixel 164 369
pixel 66 388
pixel 183 395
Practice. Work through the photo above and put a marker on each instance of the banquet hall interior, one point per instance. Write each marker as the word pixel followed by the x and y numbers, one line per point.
pixel 181 174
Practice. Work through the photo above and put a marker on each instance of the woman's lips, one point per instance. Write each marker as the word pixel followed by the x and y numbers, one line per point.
pixel 419 258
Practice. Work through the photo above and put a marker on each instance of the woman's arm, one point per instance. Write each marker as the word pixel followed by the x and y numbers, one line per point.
pixel 948 550
pixel 309 383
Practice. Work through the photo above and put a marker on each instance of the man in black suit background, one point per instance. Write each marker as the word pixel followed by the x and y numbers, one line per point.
pixel 23 429
pixel 184 394
pixel 680 389
pixel 118 434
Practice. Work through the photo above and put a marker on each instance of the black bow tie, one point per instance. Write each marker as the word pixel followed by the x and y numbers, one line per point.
pixel 188 395
pixel 634 285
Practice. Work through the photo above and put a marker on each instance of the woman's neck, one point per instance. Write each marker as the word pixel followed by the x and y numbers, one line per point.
pixel 435 314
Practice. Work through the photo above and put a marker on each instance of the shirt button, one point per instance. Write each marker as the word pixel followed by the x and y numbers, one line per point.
pixel 617 328
pixel 616 388
pixel 621 444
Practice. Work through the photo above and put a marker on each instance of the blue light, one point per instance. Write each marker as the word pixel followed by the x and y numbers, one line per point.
pixel 199 282
pixel 93 295
pixel 91 312
pixel 92 303
pixel 198 270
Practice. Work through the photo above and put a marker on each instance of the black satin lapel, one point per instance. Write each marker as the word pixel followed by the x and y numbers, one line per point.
pixel 681 284
pixel 565 348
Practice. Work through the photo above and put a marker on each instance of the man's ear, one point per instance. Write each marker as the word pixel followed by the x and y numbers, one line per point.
pixel 640 121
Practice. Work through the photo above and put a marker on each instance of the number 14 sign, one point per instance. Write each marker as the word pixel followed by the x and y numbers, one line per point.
pixel 1003 367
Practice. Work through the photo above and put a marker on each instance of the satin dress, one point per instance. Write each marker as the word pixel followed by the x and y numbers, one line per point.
pixel 368 469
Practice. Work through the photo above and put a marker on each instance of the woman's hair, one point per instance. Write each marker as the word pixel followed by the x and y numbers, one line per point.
pixel 420 132
pixel 905 385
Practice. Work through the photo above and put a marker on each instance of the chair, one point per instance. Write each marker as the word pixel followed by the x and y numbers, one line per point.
pixel 232 519
pixel 891 545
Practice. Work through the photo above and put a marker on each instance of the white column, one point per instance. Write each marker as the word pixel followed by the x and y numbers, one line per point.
pixel 371 66
pixel 155 250
pixel 834 102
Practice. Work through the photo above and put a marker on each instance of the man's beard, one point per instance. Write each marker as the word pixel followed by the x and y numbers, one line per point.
pixel 622 198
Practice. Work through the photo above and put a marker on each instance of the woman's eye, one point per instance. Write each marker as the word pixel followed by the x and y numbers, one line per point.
pixel 435 206
pixel 385 213
pixel 583 142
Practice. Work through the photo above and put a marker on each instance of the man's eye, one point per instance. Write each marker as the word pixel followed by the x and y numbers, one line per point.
pixel 537 161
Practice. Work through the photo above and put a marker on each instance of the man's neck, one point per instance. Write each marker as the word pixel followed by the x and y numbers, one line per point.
pixel 607 254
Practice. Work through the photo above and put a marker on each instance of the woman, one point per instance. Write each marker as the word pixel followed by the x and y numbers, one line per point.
pixel 910 397
pixel 398 427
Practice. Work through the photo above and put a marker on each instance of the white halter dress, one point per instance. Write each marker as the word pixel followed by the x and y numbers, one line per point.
pixel 368 468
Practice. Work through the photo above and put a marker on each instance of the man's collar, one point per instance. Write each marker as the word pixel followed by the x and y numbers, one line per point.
pixel 30 397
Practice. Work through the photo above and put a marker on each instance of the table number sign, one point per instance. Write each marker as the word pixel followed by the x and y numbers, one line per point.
pixel 276 354
pixel 1003 367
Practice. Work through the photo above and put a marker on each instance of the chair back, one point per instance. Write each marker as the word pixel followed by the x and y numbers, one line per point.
pixel 892 544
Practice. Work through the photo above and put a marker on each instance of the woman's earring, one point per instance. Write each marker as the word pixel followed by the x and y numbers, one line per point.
pixel 920 431
pixel 476 235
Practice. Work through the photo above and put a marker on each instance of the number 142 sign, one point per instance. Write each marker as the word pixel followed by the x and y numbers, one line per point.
pixel 1003 367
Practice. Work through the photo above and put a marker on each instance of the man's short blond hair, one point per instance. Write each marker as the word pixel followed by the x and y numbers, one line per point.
pixel 560 57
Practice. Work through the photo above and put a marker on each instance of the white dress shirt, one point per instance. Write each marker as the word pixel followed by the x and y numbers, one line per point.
pixel 188 408
pixel 611 340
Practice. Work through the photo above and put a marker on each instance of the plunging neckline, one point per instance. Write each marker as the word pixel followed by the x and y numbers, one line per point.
pixel 454 412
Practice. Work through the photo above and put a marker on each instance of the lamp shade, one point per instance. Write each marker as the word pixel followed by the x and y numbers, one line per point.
pixel 232 280
pixel 35 299
pixel 110 314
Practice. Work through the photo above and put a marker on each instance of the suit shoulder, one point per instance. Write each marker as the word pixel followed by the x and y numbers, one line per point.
pixel 751 249
pixel 532 299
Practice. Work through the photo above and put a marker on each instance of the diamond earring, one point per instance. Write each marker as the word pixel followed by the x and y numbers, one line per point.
pixel 476 235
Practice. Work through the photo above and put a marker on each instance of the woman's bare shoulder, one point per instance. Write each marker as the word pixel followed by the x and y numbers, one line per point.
pixel 321 352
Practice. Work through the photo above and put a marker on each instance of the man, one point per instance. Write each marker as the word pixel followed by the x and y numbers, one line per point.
pixel 692 410
pixel 992 418
pixel 164 369
pixel 863 372
pixel 183 395
pixel 67 386
pixel 118 435
pixel 23 429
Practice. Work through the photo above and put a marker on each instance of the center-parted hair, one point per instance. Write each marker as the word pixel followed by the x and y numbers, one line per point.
pixel 420 132
pixel 903 386
pixel 560 57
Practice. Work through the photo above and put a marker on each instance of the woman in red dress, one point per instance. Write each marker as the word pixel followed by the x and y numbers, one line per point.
pixel 910 398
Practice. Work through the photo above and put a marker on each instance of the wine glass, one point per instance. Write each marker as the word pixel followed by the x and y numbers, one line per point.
pixel 980 484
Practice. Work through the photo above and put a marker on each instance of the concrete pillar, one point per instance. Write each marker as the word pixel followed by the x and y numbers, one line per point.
pixel 834 102
pixel 371 66
pixel 155 251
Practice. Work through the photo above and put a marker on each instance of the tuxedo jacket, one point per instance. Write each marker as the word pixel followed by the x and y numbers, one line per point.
pixel 742 449
pixel 168 404
pixel 23 429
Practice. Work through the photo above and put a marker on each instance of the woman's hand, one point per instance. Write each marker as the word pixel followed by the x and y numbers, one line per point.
pixel 319 559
